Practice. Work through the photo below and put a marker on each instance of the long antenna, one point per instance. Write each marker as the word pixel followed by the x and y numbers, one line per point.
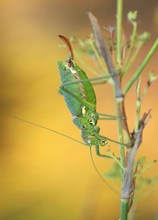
pixel 49 129
pixel 64 135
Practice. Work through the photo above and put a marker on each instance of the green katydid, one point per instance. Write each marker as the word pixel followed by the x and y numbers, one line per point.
pixel 81 100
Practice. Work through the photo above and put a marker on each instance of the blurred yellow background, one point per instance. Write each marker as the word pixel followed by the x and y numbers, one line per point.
pixel 43 175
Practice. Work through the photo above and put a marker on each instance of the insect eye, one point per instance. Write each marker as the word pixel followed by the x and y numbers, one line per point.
pixel 83 127
pixel 91 121
pixel 89 141
pixel 102 142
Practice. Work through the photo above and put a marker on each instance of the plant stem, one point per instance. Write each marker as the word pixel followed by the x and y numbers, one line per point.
pixel 120 110
pixel 128 59
pixel 117 160
pixel 123 130
pixel 119 32
pixel 133 58
pixel 138 107
pixel 145 168
pixel 124 209
pixel 120 138
pixel 141 67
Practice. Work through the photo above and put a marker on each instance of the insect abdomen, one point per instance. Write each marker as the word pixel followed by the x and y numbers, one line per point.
pixel 84 90
pixel 67 77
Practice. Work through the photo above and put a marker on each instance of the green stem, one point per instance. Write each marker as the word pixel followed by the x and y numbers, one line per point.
pixel 118 104
pixel 132 212
pixel 138 107
pixel 116 159
pixel 130 49
pixel 141 67
pixel 119 31
pixel 124 209
pixel 132 58
pixel 145 168
pixel 120 136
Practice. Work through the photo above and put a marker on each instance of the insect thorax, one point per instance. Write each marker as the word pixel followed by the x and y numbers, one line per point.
pixel 87 118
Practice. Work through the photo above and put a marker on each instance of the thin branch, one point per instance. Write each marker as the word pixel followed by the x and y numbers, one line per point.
pixel 119 32
pixel 130 163
pixel 141 67
pixel 99 40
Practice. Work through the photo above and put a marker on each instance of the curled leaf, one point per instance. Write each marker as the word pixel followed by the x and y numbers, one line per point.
pixel 132 16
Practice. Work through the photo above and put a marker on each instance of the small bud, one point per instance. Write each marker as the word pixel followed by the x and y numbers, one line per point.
pixel 152 77
pixel 132 16
pixel 110 29
pixel 144 37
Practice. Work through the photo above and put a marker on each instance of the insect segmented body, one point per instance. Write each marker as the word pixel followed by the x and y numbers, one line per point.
pixel 80 98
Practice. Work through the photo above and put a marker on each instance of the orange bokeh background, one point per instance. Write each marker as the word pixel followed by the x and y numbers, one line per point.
pixel 44 175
